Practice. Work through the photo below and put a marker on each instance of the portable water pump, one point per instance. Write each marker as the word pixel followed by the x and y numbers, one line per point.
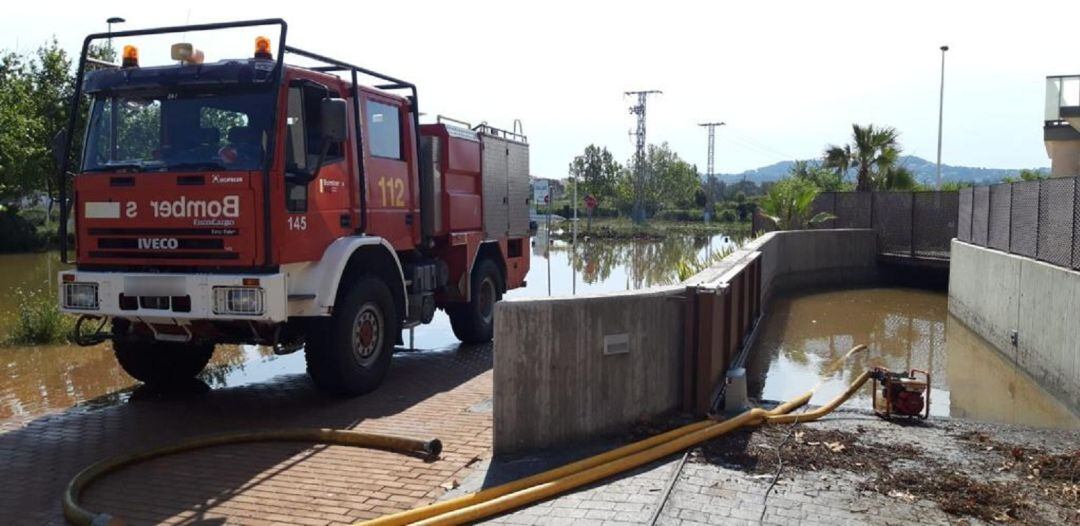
pixel 901 393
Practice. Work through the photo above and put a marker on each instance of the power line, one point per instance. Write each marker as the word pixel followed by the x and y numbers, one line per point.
pixel 761 146
pixel 639 150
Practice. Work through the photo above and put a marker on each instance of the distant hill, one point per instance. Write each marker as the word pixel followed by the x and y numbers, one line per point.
pixel 925 171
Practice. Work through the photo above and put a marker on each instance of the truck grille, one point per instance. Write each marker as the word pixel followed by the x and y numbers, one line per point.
pixel 162 243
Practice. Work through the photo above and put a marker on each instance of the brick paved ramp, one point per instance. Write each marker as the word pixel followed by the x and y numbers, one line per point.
pixel 441 394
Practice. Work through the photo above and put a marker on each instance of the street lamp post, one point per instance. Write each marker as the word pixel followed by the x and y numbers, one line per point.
pixel 941 114
pixel 110 21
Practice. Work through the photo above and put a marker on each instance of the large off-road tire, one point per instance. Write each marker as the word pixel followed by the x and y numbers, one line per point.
pixel 161 363
pixel 474 322
pixel 349 353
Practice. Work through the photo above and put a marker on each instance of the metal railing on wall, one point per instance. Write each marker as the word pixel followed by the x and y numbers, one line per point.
pixel 1035 219
pixel 909 224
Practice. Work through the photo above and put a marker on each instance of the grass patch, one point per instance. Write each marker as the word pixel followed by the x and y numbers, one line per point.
pixel 39 320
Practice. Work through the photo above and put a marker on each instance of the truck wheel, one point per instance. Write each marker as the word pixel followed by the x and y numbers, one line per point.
pixel 474 322
pixel 349 354
pixel 161 363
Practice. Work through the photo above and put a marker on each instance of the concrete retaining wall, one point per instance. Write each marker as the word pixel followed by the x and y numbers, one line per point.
pixel 795 259
pixel 995 293
pixel 554 384
pixel 816 258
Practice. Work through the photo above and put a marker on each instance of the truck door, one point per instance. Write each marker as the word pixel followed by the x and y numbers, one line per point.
pixel 389 184
pixel 317 211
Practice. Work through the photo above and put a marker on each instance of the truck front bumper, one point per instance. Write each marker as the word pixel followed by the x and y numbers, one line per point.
pixel 261 297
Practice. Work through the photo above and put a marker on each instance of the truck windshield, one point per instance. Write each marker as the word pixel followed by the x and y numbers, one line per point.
pixel 140 131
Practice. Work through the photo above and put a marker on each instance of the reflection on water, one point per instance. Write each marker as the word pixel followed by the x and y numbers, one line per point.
pixel 47 378
pixel 560 268
pixel 903 328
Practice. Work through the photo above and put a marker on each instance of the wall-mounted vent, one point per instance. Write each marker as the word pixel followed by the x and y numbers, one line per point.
pixel 617 343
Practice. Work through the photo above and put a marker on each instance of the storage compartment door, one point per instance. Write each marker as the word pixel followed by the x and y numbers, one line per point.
pixel 494 173
pixel 519 189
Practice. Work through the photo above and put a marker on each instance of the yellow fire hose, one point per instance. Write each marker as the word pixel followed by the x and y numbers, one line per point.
pixel 76 514
pixel 511 495
pixel 438 508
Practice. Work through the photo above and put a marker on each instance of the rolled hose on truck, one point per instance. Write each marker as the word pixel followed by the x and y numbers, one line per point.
pixel 491 501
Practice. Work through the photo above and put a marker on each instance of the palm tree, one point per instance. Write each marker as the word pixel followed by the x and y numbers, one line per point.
pixel 790 202
pixel 873 152
pixel 898 178
pixel 838 158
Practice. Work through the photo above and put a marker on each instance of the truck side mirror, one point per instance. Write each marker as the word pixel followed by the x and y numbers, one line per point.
pixel 334 116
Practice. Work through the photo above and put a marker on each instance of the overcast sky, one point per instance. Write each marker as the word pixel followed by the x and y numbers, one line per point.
pixel 786 77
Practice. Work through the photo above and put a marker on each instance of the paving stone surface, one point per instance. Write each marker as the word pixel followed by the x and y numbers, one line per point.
pixel 445 394
pixel 431 394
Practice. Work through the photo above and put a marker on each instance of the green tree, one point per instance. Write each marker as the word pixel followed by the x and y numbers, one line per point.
pixel 825 179
pixel 952 186
pixel 53 88
pixel 20 127
pixel 670 182
pixel 743 206
pixel 1025 175
pixel 872 153
pixel 898 178
pixel 597 170
pixel 789 204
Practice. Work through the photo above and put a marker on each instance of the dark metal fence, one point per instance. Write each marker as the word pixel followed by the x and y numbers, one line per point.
pixel 910 224
pixel 1036 219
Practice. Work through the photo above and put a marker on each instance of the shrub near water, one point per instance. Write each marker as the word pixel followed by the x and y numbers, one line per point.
pixel 39 320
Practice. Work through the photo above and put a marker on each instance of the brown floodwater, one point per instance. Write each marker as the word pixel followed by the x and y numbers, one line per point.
pixel 806 333
pixel 904 328
pixel 41 379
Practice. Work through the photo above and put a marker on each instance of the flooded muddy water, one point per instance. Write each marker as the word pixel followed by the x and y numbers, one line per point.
pixel 905 328
pixel 40 379
pixel 806 333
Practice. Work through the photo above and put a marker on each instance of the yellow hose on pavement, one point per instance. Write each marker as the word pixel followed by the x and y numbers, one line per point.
pixel 516 494
pixel 438 508
pixel 76 514
pixel 581 478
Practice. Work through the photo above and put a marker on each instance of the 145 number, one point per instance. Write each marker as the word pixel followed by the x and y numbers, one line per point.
pixel 297 222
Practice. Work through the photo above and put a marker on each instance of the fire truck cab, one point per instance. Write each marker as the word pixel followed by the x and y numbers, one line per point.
pixel 253 201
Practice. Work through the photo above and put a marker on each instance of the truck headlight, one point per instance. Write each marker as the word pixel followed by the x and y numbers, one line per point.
pixel 238 300
pixel 83 296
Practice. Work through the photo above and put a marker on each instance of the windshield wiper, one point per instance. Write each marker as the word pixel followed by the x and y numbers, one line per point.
pixel 195 165
pixel 116 167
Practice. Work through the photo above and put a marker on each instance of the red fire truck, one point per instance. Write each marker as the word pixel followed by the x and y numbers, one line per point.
pixel 255 201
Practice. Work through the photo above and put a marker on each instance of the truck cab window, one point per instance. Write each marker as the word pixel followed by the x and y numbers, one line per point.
pixel 304 141
pixel 384 129
pixel 176 130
